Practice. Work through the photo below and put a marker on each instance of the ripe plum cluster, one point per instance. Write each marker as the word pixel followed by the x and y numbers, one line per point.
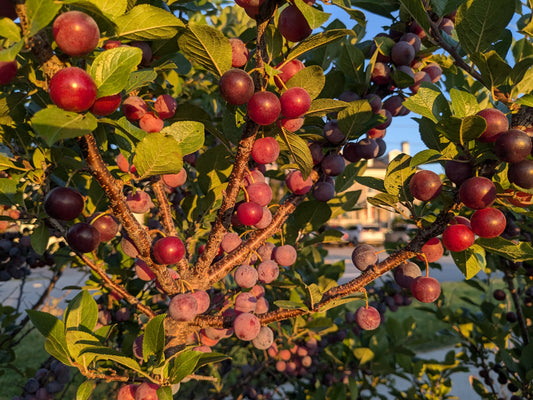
pixel 48 381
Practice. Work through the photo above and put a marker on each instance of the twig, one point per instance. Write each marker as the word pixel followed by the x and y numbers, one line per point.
pixel 509 280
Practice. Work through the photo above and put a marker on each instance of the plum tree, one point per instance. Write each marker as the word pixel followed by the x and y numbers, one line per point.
pixel 231 160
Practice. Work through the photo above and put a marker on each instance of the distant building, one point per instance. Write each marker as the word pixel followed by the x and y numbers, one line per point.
pixel 367 214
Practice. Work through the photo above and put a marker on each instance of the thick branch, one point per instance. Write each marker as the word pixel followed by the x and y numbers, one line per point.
pixel 117 201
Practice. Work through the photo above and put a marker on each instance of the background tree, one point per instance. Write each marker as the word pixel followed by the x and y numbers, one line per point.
pixel 139 134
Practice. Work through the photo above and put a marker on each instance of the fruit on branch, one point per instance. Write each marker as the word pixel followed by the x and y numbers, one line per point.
pixel 323 191
pixel 245 302
pixel 245 276
pixel 83 237
pixel 106 225
pixel 388 119
pixel 512 146
pixel 499 295
pixel 333 133
pixel 268 271
pixel 8 71
pixel 134 108
pixel 239 53
pixel 76 33
pixel 497 123
pixel 246 326
pixel 412 39
pixel 434 71
pixel 364 256
pixel 432 249
pixel 488 222
pixel 127 392
pixel 175 180
pixel 381 74
pixel 375 102
pixel 521 174
pixel 477 192
pixel 259 193
pixel 264 108
pixel 284 255
pixel 457 237
pixel 394 105
pixel 230 242
pixel 402 53
pixel 63 203
pixel 420 77
pixel 333 164
pixel 425 185
pixel 249 213
pixel 295 102
pixel 406 273
pixel 458 171
pixel 147 391
pixel 143 271
pixel 127 246
pixel 264 338
pixel 265 150
pixel 425 289
pixel 165 106
pixel 139 202
pixel 287 71
pixel 296 184
pixel 106 105
pixel 292 24
pixel 236 86
pixel 150 123
pixel 368 318
pixel 168 250
pixel 446 25
pixel 146 51
pixel 291 124
pixel 72 89
pixel 183 307
pixel 203 300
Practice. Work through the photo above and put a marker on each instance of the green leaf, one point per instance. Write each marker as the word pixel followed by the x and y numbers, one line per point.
pixel 371 182
pixel 314 294
pixel 418 12
pixel 428 102
pixel 164 393
pixel 479 23
pixel 462 130
pixel 11 52
pixel 299 150
pixel 207 47
pixel 383 199
pixel 158 154
pixel 494 70
pixel 54 331
pixel 189 134
pixel 146 22
pixel 315 18
pixel 85 390
pixel 105 353
pixel 344 202
pixel 470 261
pixel 463 103
pixel 335 303
pixel 154 338
pixel 139 79
pixel 321 107
pixel 111 8
pixel 352 62
pixel 183 365
pixel 9 30
pixel 398 172
pixel 40 13
pixel 432 139
pixel 523 251
pixel 39 238
pixel 9 193
pixel 353 120
pixel 55 124
pixel 210 358
pixel 363 354
pixel 291 305
pixel 345 180
pixel 315 213
pixel 81 312
pixel 426 156
pixel 318 40
pixel 311 79
pixel 78 341
pixel 111 69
